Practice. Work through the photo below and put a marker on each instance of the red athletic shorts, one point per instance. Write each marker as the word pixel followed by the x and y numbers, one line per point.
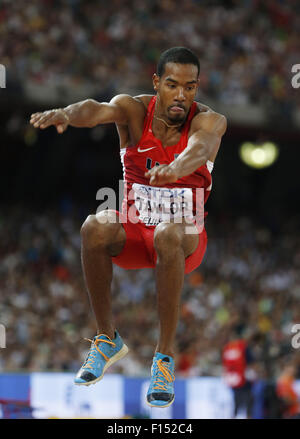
pixel 139 251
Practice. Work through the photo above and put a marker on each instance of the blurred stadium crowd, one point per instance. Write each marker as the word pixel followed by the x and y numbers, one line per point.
pixel 246 48
pixel 250 279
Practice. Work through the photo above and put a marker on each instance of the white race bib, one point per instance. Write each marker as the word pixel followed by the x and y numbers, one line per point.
pixel 157 204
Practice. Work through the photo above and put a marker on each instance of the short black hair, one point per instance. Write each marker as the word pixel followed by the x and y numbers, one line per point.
pixel 180 55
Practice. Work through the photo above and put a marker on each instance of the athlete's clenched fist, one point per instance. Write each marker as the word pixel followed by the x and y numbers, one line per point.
pixel 162 174
pixel 57 117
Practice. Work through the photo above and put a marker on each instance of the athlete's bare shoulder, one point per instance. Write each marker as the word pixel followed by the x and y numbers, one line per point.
pixel 126 102
pixel 145 99
pixel 133 106
pixel 202 108
pixel 206 117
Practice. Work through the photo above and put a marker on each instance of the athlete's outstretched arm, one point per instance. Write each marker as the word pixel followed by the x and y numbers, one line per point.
pixel 202 145
pixel 84 114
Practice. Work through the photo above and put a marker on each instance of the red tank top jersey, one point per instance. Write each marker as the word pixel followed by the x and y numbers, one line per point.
pixel 234 363
pixel 149 151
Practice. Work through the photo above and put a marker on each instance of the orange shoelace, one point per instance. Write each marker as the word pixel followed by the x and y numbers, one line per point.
pixel 164 373
pixel 92 355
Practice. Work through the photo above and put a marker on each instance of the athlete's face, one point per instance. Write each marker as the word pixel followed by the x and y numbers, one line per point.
pixel 176 90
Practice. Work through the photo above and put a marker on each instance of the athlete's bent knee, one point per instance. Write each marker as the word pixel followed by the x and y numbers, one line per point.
pixel 167 236
pixel 100 229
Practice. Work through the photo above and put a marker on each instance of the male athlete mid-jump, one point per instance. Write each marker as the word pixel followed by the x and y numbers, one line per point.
pixel 167 141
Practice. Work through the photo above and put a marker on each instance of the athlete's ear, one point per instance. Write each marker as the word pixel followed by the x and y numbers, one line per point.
pixel 197 87
pixel 155 79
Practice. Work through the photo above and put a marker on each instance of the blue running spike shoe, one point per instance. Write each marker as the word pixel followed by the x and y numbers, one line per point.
pixel 103 353
pixel 161 389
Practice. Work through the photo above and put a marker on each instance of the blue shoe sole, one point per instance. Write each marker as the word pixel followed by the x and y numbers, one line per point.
pixel 161 406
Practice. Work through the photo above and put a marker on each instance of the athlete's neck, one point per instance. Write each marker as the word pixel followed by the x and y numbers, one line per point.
pixel 167 123
pixel 169 126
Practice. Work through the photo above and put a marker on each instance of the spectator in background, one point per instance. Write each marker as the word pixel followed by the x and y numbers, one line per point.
pixel 247 48
pixel 258 283
pixel 236 357
pixel 287 392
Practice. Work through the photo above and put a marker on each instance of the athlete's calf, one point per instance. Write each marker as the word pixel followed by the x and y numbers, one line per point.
pixel 172 246
pixel 102 237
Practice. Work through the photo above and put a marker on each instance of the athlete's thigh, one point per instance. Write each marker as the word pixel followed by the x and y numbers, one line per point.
pixel 134 254
pixel 110 219
pixel 185 231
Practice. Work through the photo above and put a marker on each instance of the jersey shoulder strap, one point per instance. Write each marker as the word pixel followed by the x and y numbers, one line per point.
pixel 149 115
